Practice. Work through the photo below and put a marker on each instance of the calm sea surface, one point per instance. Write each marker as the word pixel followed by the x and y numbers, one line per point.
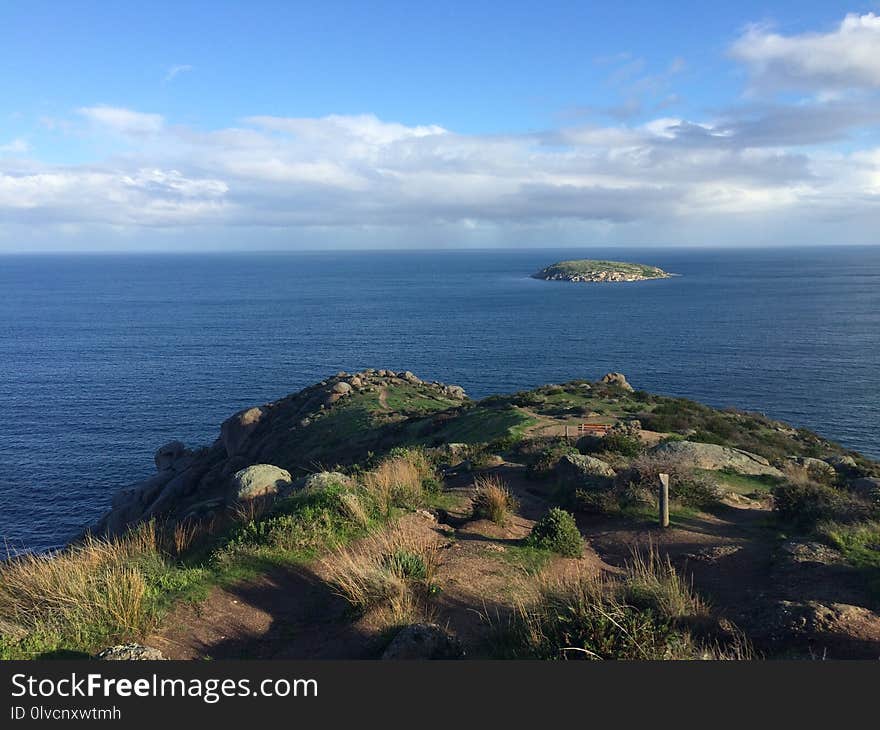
pixel 104 358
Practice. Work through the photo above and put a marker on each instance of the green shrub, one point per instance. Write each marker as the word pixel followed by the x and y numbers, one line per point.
pixel 805 504
pixel 542 456
pixel 698 490
pixel 622 443
pixel 492 500
pixel 557 531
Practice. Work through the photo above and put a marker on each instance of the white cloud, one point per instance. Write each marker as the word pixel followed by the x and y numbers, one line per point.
pixel 15 147
pixel 353 173
pixel 123 121
pixel 175 71
pixel 847 57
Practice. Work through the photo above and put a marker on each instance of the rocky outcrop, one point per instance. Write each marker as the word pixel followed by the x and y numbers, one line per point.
pixel 583 470
pixel 130 653
pixel 236 430
pixel 423 641
pixel 816 468
pixel 618 379
pixel 259 480
pixel 256 450
pixel 867 488
pixel 714 457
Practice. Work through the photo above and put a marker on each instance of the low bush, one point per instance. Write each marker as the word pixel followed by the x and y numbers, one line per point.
pixel 621 443
pixel 805 504
pixel 542 455
pixel 647 613
pixel 492 500
pixel 557 531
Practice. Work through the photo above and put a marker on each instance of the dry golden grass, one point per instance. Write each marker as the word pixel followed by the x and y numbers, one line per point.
pixel 492 500
pixel 391 574
pixel 797 474
pixel 648 612
pixel 98 582
pixel 653 579
pixel 399 480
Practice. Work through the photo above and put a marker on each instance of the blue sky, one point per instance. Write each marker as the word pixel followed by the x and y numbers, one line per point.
pixel 273 125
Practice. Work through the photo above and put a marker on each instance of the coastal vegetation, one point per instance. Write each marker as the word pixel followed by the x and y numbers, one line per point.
pixel 376 506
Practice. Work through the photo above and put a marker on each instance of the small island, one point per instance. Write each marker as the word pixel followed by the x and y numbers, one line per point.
pixel 591 270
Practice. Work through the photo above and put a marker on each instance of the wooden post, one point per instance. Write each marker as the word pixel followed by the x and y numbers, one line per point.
pixel 566 433
pixel 664 499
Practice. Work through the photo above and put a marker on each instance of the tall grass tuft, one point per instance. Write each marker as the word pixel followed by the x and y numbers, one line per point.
pixel 98 587
pixel 492 500
pixel 646 613
pixel 400 480
pixel 392 572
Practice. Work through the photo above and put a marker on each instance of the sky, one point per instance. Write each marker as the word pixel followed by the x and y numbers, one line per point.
pixel 286 125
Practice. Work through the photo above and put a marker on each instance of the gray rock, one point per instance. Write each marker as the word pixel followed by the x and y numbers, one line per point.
pixel 584 470
pixel 258 480
pixel 423 641
pixel 816 468
pixel 842 462
pixel 130 653
pixel 618 379
pixel 324 479
pixel 867 487
pixel 236 430
pixel 342 388
pixel 168 454
pixel 714 457
pixel 456 392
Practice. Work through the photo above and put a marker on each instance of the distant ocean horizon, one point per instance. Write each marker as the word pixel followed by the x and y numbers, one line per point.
pixel 106 357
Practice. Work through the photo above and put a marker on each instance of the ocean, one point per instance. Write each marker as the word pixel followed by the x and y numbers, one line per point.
pixel 105 357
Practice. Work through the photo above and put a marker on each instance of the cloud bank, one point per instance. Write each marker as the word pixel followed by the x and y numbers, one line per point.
pixel 766 163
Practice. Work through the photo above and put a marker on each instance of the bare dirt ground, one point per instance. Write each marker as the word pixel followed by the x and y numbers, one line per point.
pixel 790 604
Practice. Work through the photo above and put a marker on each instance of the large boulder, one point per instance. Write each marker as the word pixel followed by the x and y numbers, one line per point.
pixel 618 379
pixel 816 468
pixel 583 470
pixel 168 455
pixel 258 480
pixel 130 653
pixel 714 457
pixel 236 430
pixel 842 462
pixel 423 641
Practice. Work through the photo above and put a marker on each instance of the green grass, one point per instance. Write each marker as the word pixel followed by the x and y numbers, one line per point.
pixel 741 483
pixel 531 560
pixel 108 592
pixel 483 425
pixel 860 545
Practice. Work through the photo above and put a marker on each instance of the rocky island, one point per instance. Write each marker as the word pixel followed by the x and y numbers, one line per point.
pixel 379 515
pixel 592 270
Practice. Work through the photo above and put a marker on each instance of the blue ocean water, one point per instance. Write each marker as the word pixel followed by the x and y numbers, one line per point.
pixel 104 358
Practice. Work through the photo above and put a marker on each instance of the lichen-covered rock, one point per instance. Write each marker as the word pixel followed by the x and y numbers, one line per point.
pixel 618 379
pixel 714 457
pixel 423 641
pixel 259 480
pixel 816 468
pixel 324 479
pixel 130 653
pixel 583 470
